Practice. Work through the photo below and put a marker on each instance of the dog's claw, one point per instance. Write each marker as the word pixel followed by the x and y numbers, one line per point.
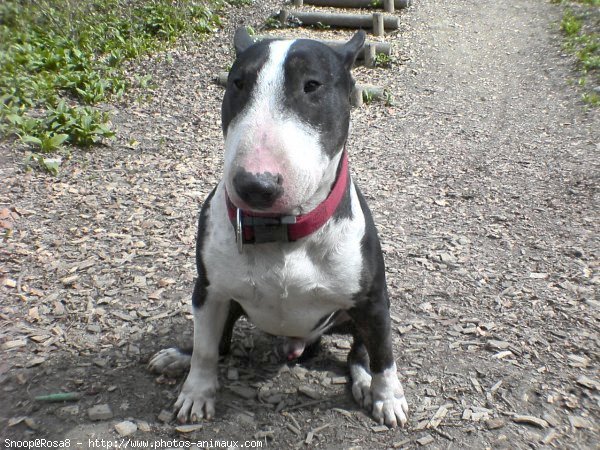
pixel 196 400
pixel 391 412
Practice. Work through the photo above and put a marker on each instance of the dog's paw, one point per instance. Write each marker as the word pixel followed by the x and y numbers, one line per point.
pixel 389 404
pixel 391 412
pixel 170 361
pixel 196 400
pixel 361 386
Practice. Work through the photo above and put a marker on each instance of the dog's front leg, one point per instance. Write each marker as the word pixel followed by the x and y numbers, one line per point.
pixel 386 397
pixel 197 397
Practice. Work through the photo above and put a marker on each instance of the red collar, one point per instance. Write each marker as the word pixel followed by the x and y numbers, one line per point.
pixel 255 228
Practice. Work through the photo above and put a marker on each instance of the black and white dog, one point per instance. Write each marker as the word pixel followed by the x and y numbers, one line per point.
pixel 286 237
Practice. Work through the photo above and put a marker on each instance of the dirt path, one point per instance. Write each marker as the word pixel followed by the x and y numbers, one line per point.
pixel 484 182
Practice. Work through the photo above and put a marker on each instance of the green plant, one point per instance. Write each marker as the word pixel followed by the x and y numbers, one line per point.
pixel 383 60
pixel 580 25
pixel 368 96
pixel 272 22
pixel 388 98
pixel 240 2
pixel 570 24
pixel 60 58
pixel 322 26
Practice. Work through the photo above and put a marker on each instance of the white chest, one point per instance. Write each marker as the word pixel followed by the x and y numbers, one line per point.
pixel 286 289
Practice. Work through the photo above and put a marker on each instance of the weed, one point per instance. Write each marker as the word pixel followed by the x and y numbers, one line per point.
pixel 273 22
pixel 580 25
pixel 240 2
pixel 322 26
pixel 59 58
pixel 383 60
pixel 388 98
pixel 570 24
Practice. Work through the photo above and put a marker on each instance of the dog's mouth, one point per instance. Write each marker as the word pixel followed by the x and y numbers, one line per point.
pixel 277 209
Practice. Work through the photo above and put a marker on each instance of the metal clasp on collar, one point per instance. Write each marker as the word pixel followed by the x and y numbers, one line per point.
pixel 239 230
pixel 264 229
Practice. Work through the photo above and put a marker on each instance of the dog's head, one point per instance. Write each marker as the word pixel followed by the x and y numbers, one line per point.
pixel 285 118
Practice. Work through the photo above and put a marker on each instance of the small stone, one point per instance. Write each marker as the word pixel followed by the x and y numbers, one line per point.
pixel 497 345
pixel 243 391
pixel 588 383
pixel 31 423
pixel 579 422
pixel 126 428
pixel 339 380
pixel 479 415
pixel 309 392
pixel 447 258
pixel 100 362
pixel 299 372
pixel 232 374
pixel 549 437
pixel 552 420
pixel 425 440
pixel 143 426
pixel 404 330
pixel 245 419
pixel 165 416
pixel 578 361
pixel 530 420
pixel 188 428
pixel 494 424
pixel 100 412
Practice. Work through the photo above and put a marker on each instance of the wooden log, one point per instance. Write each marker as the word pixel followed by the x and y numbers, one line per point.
pixel 356 99
pixel 371 91
pixel 378 24
pixel 380 47
pixel 283 17
pixel 398 4
pixel 342 20
pixel 370 55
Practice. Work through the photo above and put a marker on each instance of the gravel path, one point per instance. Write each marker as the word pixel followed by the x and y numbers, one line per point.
pixel 483 177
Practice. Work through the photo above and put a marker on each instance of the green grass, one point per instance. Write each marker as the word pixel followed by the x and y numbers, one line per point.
pixel 580 25
pixel 60 58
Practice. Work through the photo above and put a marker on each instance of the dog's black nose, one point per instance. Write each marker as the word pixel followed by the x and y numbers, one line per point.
pixel 258 190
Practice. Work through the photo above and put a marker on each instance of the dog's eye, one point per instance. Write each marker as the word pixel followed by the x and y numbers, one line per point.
pixel 238 83
pixel 311 86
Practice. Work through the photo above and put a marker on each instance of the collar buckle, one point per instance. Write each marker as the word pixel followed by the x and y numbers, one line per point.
pixel 259 230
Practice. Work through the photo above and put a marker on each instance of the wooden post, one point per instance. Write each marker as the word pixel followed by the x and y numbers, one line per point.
pixel 298 2
pixel 222 78
pixel 356 3
pixel 283 17
pixel 343 20
pixel 388 6
pixel 356 99
pixel 370 52
pixel 381 47
pixel 378 25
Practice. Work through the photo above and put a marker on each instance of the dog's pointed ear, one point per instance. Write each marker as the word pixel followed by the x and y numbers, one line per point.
pixel 241 40
pixel 351 48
